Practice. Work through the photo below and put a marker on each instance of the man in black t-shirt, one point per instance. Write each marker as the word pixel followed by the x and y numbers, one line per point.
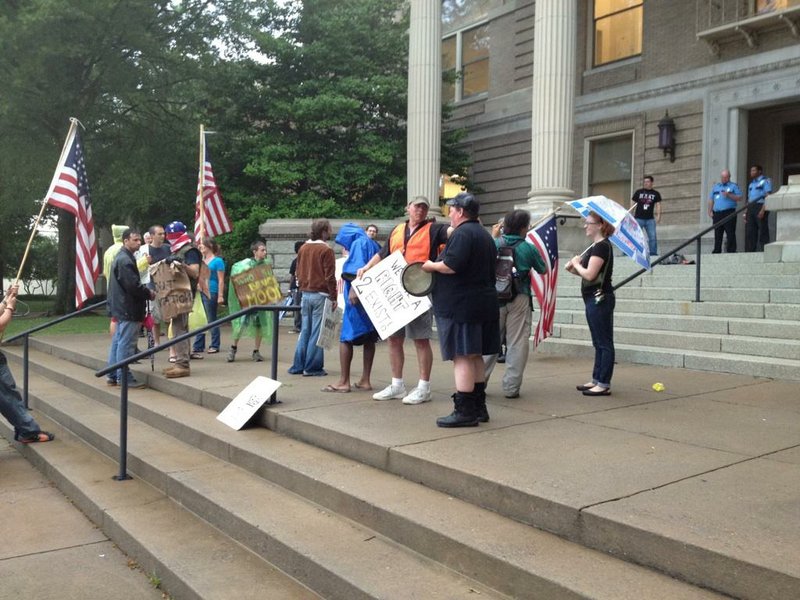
pixel 648 211
pixel 466 308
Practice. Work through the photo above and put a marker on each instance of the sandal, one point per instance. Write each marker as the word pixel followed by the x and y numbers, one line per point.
pixel 212 350
pixel 196 356
pixel 173 359
pixel 39 436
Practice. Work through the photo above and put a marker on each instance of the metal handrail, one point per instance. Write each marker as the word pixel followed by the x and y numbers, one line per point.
pixel 26 336
pixel 696 238
pixel 275 309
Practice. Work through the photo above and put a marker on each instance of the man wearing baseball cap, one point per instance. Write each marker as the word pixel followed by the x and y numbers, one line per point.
pixel 419 239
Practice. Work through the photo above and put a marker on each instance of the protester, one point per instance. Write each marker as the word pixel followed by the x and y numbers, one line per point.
pixel 515 315
pixel 357 329
pixel 316 277
pixel 254 324
pixel 186 257
pixel 419 239
pixel 595 268
pixel 372 231
pixel 26 429
pixel 467 309
pixel 157 250
pixel 108 259
pixel 216 287
pixel 648 211
pixel 127 301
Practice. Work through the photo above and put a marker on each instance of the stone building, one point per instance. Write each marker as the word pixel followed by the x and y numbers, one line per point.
pixel 563 98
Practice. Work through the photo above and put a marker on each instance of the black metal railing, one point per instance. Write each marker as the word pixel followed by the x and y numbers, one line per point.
pixel 694 238
pixel 25 335
pixel 275 309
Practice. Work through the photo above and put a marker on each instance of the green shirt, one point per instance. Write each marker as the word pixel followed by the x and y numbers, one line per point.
pixel 526 257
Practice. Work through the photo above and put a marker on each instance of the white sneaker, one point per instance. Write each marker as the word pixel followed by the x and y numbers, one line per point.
pixel 390 393
pixel 417 396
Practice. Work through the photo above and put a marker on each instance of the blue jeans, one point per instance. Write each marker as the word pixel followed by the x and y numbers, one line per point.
pixel 210 306
pixel 600 318
pixel 123 345
pixel 308 358
pixel 649 226
pixel 11 405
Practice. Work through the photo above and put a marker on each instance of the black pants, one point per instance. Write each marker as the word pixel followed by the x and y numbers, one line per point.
pixel 756 231
pixel 729 229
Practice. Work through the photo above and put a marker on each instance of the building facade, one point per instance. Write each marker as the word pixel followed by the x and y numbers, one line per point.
pixel 565 97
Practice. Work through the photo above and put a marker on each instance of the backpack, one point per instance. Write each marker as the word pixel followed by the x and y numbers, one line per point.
pixel 505 272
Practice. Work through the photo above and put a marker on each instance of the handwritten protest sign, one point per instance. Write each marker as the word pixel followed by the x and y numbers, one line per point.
pixel 173 290
pixel 248 401
pixel 256 286
pixel 331 326
pixel 381 293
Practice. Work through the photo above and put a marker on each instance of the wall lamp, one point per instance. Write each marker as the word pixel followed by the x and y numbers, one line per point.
pixel 666 136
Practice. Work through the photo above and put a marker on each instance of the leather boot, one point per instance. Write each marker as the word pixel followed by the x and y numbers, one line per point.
pixel 480 403
pixel 464 413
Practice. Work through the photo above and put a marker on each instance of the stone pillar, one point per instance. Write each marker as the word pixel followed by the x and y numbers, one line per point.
pixel 554 41
pixel 786 203
pixel 425 101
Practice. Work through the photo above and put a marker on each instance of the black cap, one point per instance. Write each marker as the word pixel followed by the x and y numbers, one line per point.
pixel 466 201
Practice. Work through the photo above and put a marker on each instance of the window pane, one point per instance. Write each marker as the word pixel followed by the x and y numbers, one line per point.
pixel 476 78
pixel 449 86
pixel 475 44
pixel 458 13
pixel 610 168
pixel 606 7
pixel 449 53
pixel 618 36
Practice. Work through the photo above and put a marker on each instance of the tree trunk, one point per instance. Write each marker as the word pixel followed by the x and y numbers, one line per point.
pixel 65 292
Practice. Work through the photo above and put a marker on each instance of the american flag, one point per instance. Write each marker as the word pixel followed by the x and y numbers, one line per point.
pixel 215 216
pixel 545 238
pixel 69 190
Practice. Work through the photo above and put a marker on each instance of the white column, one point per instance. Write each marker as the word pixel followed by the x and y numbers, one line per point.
pixel 425 100
pixel 554 41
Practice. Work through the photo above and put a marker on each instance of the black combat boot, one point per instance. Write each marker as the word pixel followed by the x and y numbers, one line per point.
pixel 464 414
pixel 480 403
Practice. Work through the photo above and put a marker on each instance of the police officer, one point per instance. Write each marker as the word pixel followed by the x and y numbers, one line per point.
pixel 756 217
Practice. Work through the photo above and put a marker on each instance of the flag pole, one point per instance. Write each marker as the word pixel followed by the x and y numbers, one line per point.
pixel 200 180
pixel 73 124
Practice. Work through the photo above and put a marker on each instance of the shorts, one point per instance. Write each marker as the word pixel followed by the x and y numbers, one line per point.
pixel 420 328
pixel 367 338
pixel 464 339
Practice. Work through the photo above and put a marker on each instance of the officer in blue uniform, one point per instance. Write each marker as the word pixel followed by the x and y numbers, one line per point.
pixel 756 217
pixel 721 203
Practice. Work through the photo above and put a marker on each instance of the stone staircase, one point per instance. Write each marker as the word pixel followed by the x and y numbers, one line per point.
pixel 218 514
pixel 748 320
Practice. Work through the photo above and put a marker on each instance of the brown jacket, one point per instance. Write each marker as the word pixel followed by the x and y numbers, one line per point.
pixel 316 268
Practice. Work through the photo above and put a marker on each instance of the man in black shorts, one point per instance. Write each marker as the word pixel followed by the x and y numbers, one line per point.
pixel 466 308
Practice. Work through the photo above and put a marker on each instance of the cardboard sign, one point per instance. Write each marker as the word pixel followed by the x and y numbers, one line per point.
pixel 331 327
pixel 256 286
pixel 248 401
pixel 381 293
pixel 173 290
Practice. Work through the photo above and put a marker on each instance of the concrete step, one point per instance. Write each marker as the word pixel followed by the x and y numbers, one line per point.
pixel 659 308
pixel 721 362
pixel 329 554
pixel 514 558
pixel 191 559
pixel 789 349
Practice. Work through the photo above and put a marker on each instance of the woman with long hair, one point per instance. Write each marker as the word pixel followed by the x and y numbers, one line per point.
pixel 595 267
pixel 216 288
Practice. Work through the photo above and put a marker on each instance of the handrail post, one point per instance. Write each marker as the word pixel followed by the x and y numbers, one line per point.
pixel 697 274
pixel 25 377
pixel 123 427
pixel 274 367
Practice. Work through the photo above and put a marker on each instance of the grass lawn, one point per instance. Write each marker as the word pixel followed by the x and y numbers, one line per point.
pixel 33 312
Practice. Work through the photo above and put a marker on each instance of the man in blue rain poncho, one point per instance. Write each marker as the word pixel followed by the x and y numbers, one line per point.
pixel 357 329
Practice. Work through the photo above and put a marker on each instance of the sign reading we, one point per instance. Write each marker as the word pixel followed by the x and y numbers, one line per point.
pixel 256 286
pixel 387 303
